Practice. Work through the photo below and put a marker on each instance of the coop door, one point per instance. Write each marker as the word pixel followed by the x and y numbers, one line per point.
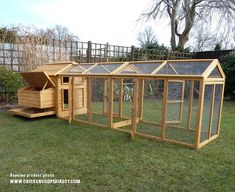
pixel 174 101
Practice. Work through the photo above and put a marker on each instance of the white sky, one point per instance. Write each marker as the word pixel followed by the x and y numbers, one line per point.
pixel 101 21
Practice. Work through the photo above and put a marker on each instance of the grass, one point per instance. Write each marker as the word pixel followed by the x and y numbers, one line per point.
pixel 108 160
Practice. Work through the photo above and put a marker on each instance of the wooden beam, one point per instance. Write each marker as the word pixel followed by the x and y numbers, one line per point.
pixel 134 108
pixel 220 109
pixel 199 114
pixel 207 141
pixel 110 114
pixel 141 99
pixel 45 85
pixel 164 108
pixel 120 68
pixel 89 99
pixel 210 68
pixel 104 95
pixel 71 95
pixel 211 111
pixel 173 69
pixel 120 97
pixel 85 72
pixel 190 104
pixel 121 123
pixel 62 69
pixel 182 103
pixel 159 67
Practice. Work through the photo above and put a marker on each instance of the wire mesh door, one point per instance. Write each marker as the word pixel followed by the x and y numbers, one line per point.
pixel 174 101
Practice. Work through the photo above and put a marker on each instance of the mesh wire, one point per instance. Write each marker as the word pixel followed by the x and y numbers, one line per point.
pixel 179 128
pixel 215 73
pixel 98 69
pixel 218 93
pixel 152 108
pixel 146 68
pixel 184 68
pixel 111 67
pixel 206 112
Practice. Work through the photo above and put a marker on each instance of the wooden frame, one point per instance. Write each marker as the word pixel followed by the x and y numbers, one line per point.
pixel 58 71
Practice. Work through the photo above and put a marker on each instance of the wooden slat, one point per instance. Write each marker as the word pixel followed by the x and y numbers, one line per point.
pixel 159 67
pixel 121 123
pixel 120 68
pixel 182 103
pixel 110 115
pixel 120 97
pixel 32 112
pixel 164 109
pixel 199 114
pixel 141 99
pixel 211 111
pixel 190 104
pixel 89 99
pixel 104 95
pixel 220 109
pixel 134 108
pixel 207 141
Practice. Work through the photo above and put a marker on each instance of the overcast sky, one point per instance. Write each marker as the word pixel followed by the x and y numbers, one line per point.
pixel 101 21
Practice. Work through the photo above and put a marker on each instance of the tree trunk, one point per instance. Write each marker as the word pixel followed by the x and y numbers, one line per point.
pixel 173 43
pixel 182 41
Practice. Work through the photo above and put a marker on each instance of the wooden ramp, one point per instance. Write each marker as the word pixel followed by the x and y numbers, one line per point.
pixel 33 112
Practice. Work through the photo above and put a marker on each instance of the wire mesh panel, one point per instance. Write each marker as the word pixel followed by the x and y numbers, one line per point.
pixel 127 97
pixel 207 104
pixel 216 109
pixel 184 68
pixel 146 68
pixel 181 111
pixel 116 97
pixel 175 101
pixel 150 110
pixel 215 73
pixel 98 102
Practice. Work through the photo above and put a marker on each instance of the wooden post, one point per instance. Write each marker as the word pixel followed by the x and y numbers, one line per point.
pixel 120 97
pixel 132 53
pixel 182 102
pixel 199 113
pixel 71 97
pixel 220 109
pixel 58 97
pixel 104 95
pixel 141 99
pixel 134 108
pixel 190 104
pixel 211 111
pixel 110 120
pixel 88 52
pixel 89 99
pixel 164 109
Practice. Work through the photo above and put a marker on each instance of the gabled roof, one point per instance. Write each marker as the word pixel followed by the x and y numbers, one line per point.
pixel 206 68
pixel 54 68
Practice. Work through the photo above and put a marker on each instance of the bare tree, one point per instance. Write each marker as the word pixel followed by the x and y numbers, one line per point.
pixel 147 37
pixel 203 40
pixel 59 33
pixel 185 14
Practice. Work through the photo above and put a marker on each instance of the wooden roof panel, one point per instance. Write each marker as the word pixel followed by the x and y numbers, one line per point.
pixel 37 79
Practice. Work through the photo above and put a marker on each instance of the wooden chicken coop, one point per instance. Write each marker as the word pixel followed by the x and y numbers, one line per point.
pixel 177 101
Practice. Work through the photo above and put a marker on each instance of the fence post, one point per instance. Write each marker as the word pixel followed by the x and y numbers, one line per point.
pixel 106 52
pixel 132 52
pixel 168 54
pixel 88 52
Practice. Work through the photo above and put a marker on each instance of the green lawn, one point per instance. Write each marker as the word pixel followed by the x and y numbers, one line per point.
pixel 108 160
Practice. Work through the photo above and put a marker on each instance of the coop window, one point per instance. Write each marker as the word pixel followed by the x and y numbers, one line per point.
pixel 65 97
pixel 65 80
